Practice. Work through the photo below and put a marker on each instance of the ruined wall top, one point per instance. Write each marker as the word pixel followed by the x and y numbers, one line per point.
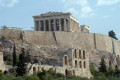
pixel 52 14
pixel 55 14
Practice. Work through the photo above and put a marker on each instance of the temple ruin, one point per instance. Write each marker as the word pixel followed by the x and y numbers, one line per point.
pixel 56 21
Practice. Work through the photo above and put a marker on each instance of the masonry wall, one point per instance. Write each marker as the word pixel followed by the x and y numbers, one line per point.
pixel 88 41
pixel 40 38
pixel 74 26
pixel 2 65
pixel 103 42
pixel 9 33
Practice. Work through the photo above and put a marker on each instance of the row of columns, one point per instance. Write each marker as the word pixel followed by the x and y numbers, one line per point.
pixel 52 25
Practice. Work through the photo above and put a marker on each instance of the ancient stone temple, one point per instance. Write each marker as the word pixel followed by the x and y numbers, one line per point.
pixel 56 21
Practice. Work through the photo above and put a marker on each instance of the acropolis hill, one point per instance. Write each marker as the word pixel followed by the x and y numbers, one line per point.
pixel 58 42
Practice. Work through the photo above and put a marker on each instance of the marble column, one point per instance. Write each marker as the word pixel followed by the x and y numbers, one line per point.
pixel 65 24
pixel 39 26
pixel 35 25
pixel 44 25
pixel 59 24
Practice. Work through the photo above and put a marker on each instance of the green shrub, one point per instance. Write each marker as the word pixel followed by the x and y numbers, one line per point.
pixel 9 62
pixel 31 77
pixel 100 74
pixel 1 73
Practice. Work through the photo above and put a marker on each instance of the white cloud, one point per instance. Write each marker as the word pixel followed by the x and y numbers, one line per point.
pixel 73 11
pixel 86 12
pixel 73 2
pixel 8 3
pixel 107 2
pixel 84 9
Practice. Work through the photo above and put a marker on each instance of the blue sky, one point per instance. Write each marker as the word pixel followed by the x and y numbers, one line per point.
pixel 101 15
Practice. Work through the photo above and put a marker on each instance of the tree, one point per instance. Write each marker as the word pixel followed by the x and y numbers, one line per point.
pixel 112 34
pixel 102 67
pixel 3 27
pixel 14 55
pixel 27 57
pixel 21 64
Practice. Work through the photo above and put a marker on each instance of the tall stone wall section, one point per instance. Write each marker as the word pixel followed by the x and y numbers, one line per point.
pixel 40 39
pixel 103 42
pixel 88 41
pixel 9 33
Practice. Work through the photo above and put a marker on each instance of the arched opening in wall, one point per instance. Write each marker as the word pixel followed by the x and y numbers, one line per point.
pixel 65 58
pixel 66 72
pixel 75 63
pixel 83 54
pixel 38 68
pixel 109 63
pixel 73 72
pixel 75 52
pixel 80 64
pixel 84 64
pixel 34 70
pixel 80 54
pixel 42 69
pixel 116 66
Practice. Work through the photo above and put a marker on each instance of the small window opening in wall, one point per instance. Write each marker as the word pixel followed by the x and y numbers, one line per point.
pixel 75 63
pixel 116 66
pixel 34 70
pixel 73 72
pixel 66 72
pixel 42 69
pixel 80 63
pixel 83 54
pixel 65 58
pixel 84 64
pixel 109 63
pixel 80 54
pixel 75 53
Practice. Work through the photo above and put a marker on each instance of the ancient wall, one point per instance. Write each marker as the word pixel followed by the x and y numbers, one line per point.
pixel 88 41
pixel 40 38
pixel 75 40
pixel 2 65
pixel 103 42
pixel 74 26
pixel 9 33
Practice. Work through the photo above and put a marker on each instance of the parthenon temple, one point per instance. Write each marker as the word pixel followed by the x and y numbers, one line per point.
pixel 56 21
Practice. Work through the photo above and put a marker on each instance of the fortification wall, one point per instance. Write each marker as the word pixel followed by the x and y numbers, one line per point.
pixel 2 65
pixel 75 40
pixel 88 41
pixel 115 47
pixel 11 33
pixel 39 38
pixel 103 42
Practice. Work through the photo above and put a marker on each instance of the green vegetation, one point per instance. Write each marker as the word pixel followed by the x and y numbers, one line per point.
pixel 21 70
pixel 51 75
pixel 112 34
pixel 14 55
